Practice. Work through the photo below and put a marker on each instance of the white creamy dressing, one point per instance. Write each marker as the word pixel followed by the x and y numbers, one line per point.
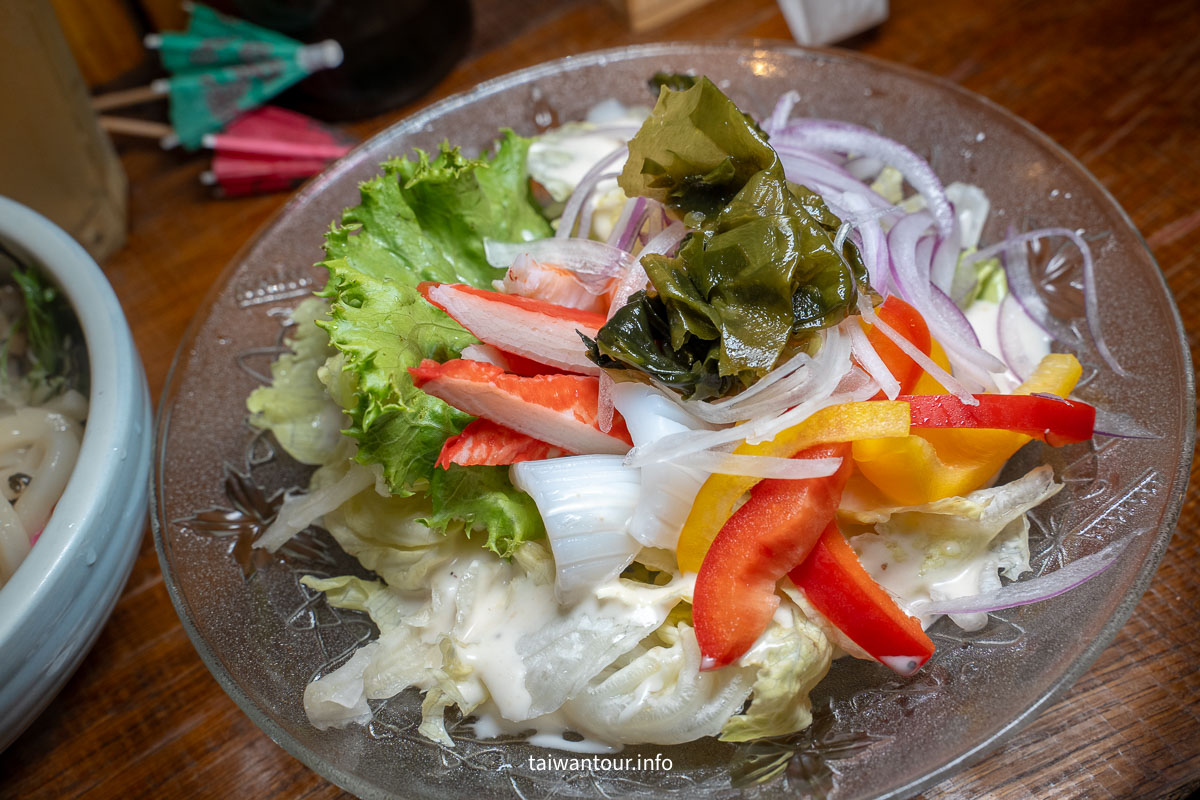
pixel 490 610
pixel 520 647
pixel 916 568
pixel 546 731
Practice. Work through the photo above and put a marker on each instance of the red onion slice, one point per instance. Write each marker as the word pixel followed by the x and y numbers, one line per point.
pixel 780 114
pixel 910 280
pixel 946 321
pixel 823 176
pixel 873 241
pixel 1121 426
pixel 633 216
pixel 589 209
pixel 843 137
pixel 1034 590
pixel 1027 293
pixel 587 184
pixel 635 279
pixel 944 263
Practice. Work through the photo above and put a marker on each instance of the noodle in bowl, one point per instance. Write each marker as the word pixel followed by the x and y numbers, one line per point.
pixel 78 469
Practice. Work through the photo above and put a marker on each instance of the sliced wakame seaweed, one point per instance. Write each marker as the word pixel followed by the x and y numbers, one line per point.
pixel 760 272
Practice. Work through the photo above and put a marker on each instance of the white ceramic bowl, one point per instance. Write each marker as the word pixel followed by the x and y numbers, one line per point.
pixel 53 607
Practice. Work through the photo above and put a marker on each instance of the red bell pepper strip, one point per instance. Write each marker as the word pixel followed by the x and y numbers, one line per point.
pixel 770 534
pixel 909 323
pixel 840 588
pixel 1051 419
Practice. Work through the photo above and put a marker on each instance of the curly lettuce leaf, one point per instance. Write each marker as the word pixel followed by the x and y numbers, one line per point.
pixel 382 327
pixel 761 272
pixel 484 499
pixel 424 219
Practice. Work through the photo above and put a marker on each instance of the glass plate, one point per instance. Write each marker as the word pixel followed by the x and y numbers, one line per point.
pixel 265 636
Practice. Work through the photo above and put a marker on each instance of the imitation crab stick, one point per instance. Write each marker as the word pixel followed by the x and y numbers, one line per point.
pixel 557 409
pixel 528 277
pixel 534 329
pixel 486 443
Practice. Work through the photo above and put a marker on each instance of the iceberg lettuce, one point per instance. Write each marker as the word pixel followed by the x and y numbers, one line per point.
pixel 792 657
pixel 953 547
pixel 295 406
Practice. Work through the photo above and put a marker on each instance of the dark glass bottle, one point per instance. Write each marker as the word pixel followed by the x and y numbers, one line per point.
pixel 395 50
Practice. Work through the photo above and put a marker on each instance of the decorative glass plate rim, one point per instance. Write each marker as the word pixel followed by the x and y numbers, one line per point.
pixel 417 120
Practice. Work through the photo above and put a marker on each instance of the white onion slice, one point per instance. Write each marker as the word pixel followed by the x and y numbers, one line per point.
pixel 584 257
pixel 1018 334
pixel 948 381
pixel 668 490
pixel 861 349
pixel 632 282
pixel 586 503
pixel 763 466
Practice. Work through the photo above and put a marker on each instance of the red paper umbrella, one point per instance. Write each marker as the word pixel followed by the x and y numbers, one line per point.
pixel 271 149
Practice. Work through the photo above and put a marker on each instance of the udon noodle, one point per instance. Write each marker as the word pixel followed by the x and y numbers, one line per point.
pixel 41 422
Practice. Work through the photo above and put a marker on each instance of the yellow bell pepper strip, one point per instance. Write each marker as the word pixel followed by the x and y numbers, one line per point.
pixel 840 588
pixel 720 494
pixel 767 536
pixel 935 463
pixel 1052 419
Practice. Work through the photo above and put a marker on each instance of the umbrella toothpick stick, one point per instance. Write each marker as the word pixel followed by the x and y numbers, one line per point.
pixel 132 97
pixel 144 128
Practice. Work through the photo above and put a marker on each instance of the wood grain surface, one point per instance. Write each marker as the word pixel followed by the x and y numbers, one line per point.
pixel 1115 82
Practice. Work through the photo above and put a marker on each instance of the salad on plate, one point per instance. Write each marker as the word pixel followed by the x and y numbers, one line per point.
pixel 642 422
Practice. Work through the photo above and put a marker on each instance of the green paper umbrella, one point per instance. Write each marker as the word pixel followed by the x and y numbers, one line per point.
pixel 210 24
pixel 225 66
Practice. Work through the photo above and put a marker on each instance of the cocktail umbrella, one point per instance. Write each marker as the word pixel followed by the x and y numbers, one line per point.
pixel 213 39
pixel 271 149
pixel 222 67
pixel 276 132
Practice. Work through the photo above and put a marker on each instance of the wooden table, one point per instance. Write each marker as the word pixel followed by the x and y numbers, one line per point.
pixel 1116 82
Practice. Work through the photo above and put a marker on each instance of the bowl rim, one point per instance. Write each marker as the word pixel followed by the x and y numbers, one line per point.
pixel 415 121
pixel 113 418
